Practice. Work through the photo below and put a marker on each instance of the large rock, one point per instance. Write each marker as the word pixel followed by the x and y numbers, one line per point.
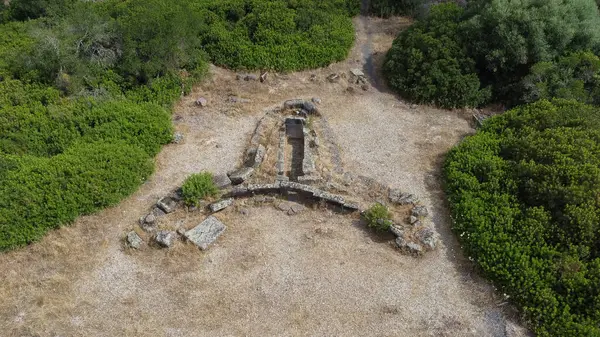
pixel 419 211
pixel 239 176
pixel 206 232
pixel 221 204
pixel 167 204
pixel 221 181
pixel 398 197
pixel 259 156
pixel 165 238
pixel 134 240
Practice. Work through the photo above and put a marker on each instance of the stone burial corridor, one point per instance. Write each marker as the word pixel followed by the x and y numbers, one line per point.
pixel 293 163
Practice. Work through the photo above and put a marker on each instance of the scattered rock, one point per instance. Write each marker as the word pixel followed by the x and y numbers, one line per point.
pixel 206 232
pixel 397 231
pixel 221 181
pixel 365 87
pixel 357 72
pixel 221 204
pixel 251 77
pixel 413 219
pixel 413 106
pixel 333 78
pixel 259 156
pixel 284 206
pixel 316 100
pixel 398 197
pixel 244 211
pixel 419 211
pixel 235 99
pixel 167 204
pixel 239 176
pixel 427 237
pixel 263 77
pixel 157 212
pixel 201 102
pixel 295 209
pixel 181 231
pixel 165 238
pixel 177 137
pixel 134 240
pixel 150 219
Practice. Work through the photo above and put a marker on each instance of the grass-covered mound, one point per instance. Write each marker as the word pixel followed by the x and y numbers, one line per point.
pixel 524 194
pixel 281 34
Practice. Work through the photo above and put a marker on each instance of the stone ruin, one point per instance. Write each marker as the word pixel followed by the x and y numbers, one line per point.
pixel 292 156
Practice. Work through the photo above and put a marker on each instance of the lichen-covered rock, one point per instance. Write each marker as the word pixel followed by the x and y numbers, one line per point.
pixel 426 237
pixel 221 204
pixel 398 232
pixel 419 211
pixel 134 240
pixel 239 176
pixel 221 181
pixel 165 238
pixel 167 204
pixel 206 232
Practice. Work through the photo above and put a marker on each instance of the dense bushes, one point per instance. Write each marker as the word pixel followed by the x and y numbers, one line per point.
pixel 427 64
pixel 524 199
pixel 492 42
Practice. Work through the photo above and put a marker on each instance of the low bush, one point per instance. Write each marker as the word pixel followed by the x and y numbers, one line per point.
pixel 378 217
pixel 197 187
pixel 427 64
pixel 575 76
pixel 387 8
pixel 524 200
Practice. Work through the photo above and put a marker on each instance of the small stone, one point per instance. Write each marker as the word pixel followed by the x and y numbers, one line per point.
pixel 177 138
pixel 201 102
pixel 295 209
pixel 284 206
pixel 221 181
pixel 167 204
pixel 365 87
pixel 419 211
pixel 357 72
pixel 251 77
pixel 244 211
pixel 134 240
pixel 316 100
pixel 150 219
pixel 333 78
pixel 206 232
pixel 397 231
pixel 165 238
pixel 413 219
pixel 239 176
pixel 263 77
pixel 235 99
pixel 221 204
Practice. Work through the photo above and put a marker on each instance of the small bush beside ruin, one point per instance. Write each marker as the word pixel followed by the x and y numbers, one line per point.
pixel 378 217
pixel 197 187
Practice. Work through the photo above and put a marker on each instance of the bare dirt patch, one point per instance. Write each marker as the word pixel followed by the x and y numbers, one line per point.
pixel 316 273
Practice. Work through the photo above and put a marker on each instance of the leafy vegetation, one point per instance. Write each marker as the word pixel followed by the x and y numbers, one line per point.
pixel 197 187
pixel 426 63
pixel 524 200
pixel 378 217
pixel 386 8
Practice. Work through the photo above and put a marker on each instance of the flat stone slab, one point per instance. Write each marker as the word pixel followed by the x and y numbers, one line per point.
pixel 221 181
pixel 206 232
pixel 241 175
pixel 357 72
pixel 167 204
pixel 221 204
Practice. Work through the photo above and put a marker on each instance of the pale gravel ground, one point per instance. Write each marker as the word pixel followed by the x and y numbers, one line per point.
pixel 269 274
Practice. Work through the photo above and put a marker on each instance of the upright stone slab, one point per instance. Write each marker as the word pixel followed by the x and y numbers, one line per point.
pixel 206 232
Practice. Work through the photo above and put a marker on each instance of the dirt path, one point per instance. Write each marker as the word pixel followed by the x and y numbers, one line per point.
pixel 269 274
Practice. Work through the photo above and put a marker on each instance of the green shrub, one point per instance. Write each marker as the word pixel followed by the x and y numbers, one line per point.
pixel 426 63
pixel 378 217
pixel 575 76
pixel 38 194
pixel 197 187
pixel 386 8
pixel 505 38
pixel 524 200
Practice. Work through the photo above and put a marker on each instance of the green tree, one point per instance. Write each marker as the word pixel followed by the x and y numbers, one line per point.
pixel 427 64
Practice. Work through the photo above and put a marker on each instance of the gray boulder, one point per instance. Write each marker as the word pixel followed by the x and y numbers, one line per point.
pixel 134 240
pixel 206 232
pixel 221 181
pixel 221 204
pixel 241 175
pixel 201 102
pixel 419 211
pixel 165 238
pixel 167 204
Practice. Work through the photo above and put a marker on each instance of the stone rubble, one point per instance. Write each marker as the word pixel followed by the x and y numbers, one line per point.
pixel 134 240
pixel 167 204
pixel 165 238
